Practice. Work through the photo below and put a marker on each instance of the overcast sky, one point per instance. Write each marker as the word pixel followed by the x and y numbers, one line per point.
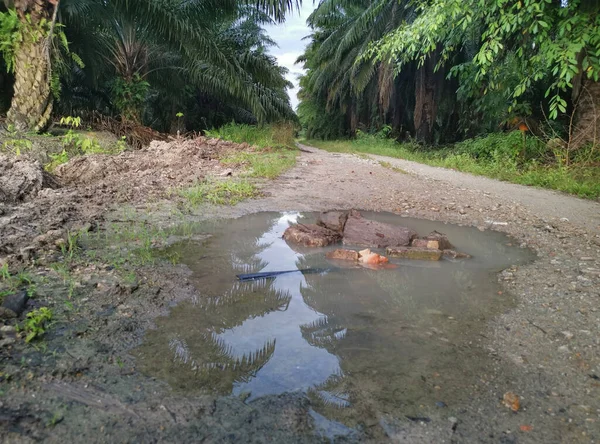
pixel 289 38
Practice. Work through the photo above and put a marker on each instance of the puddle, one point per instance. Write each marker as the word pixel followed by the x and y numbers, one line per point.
pixel 359 343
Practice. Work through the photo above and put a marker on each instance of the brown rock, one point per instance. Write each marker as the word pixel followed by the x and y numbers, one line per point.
pixel 441 239
pixel 425 243
pixel 423 254
pixel 334 220
pixel 456 254
pixel 369 233
pixel 311 235
pixel 345 255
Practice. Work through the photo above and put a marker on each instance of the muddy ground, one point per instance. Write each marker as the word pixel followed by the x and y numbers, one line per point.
pixel 80 382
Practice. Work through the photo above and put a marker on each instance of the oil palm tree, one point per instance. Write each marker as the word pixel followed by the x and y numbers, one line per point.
pixel 185 26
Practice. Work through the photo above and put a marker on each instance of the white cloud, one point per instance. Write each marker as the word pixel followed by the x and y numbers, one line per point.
pixel 289 36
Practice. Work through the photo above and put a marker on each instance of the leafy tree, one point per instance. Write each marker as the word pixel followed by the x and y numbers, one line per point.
pixel 553 44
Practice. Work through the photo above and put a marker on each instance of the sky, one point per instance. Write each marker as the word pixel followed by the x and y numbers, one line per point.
pixel 289 38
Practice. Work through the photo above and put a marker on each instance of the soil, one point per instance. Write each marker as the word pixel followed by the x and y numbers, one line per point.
pixel 82 384
pixel 32 203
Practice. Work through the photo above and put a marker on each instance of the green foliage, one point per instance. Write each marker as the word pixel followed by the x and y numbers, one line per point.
pixel 267 136
pixel 35 324
pixel 553 41
pixel 17 146
pixel 76 143
pixel 129 96
pixel 219 192
pixel 10 283
pixel 57 159
pixel 267 164
pixel 503 156
pixel 10 37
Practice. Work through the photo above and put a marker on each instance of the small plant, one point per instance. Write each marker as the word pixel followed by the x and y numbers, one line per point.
pixel 227 192
pixel 17 146
pixel 73 122
pixel 121 144
pixel 71 247
pixel 36 323
pixel 4 272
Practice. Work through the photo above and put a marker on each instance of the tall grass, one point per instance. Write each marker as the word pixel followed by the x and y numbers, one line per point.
pixel 505 156
pixel 280 135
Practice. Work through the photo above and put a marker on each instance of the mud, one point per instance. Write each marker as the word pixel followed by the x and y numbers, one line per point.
pixel 82 383
pixel 33 202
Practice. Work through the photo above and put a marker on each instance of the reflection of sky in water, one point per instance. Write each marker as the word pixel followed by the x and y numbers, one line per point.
pixel 295 365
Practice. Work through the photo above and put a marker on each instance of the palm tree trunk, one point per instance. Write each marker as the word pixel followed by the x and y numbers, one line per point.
pixel 31 104
pixel 587 116
pixel 428 88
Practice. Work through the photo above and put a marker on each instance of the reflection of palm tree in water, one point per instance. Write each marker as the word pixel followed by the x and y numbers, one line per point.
pixel 193 356
pixel 190 354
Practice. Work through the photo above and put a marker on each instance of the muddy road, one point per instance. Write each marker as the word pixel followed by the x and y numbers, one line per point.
pixel 83 382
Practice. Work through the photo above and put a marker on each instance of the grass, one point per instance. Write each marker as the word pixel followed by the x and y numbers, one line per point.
pixel 267 136
pixel 266 164
pixel 503 156
pixel 219 192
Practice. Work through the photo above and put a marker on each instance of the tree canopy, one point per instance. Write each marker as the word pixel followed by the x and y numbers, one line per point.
pixel 472 65
pixel 149 61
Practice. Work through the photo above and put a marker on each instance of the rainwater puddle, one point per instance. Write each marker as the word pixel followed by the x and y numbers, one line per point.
pixel 359 343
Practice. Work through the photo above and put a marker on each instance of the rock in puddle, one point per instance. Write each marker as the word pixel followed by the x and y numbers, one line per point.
pixel 368 233
pixel 341 254
pixel 333 220
pixel 426 254
pixel 311 235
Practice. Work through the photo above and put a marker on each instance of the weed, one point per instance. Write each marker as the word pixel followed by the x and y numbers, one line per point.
pixel 36 323
pixel 267 164
pixel 17 146
pixel 4 273
pixel 11 283
pixel 226 192
pixel 389 166
pixel 70 249
pixel 267 136
pixel 56 418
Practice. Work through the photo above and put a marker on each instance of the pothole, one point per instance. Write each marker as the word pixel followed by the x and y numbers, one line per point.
pixel 359 343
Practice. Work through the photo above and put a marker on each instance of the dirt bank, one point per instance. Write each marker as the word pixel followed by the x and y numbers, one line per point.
pixel 83 384
pixel 33 203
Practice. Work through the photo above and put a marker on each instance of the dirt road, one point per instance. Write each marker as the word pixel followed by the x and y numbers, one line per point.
pixel 85 384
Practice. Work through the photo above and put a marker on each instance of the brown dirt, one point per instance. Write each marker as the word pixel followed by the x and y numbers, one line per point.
pixel 32 202
pixel 85 386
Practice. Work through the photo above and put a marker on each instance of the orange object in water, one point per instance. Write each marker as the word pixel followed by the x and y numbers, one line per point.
pixel 367 257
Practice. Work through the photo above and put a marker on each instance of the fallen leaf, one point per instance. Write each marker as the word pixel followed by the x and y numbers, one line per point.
pixel 512 401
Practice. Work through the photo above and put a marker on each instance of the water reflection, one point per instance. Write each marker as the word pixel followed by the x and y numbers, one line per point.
pixel 358 342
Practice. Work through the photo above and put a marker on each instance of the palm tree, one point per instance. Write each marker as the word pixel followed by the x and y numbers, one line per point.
pixel 31 105
pixel 189 28
pixel 341 77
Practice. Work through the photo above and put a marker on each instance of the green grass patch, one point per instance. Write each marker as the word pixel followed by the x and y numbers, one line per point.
pixel 219 192
pixel 267 164
pixel 389 166
pixel 504 156
pixel 279 135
